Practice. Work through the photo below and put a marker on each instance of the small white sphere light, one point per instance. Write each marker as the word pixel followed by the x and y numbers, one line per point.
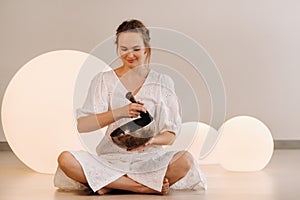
pixel 245 144
pixel 37 108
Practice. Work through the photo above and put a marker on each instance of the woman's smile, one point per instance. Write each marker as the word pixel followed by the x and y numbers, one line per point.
pixel 131 60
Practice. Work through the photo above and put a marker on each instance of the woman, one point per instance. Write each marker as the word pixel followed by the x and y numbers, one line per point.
pixel 148 168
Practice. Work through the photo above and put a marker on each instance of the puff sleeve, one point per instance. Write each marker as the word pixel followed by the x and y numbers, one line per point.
pixel 97 98
pixel 169 110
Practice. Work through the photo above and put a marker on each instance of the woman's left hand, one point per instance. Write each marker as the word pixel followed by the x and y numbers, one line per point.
pixel 164 138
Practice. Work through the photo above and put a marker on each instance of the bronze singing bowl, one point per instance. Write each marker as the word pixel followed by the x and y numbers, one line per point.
pixel 134 133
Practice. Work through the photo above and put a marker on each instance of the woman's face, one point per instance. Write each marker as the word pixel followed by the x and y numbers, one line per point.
pixel 131 49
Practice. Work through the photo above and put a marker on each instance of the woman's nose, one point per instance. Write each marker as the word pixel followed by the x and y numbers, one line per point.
pixel 130 54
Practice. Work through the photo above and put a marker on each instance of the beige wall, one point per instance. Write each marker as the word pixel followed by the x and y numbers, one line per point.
pixel 254 44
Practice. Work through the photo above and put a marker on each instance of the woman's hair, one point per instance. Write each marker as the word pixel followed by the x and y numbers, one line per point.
pixel 136 26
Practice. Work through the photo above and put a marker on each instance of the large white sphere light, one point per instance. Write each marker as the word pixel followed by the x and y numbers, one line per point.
pixel 246 144
pixel 37 108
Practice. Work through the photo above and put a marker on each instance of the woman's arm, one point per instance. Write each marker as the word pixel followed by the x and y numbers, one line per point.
pixel 94 122
pixel 97 121
pixel 164 138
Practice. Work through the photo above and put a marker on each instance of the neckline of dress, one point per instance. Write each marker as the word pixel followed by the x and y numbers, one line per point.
pixel 119 80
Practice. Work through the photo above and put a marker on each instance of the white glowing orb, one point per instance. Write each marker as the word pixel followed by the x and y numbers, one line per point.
pixel 37 108
pixel 191 138
pixel 246 144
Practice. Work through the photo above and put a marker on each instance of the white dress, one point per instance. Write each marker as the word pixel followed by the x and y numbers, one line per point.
pixel 147 166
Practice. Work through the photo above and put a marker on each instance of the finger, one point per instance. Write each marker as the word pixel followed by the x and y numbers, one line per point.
pixel 134 114
pixel 139 102
pixel 149 142
pixel 141 108
pixel 138 107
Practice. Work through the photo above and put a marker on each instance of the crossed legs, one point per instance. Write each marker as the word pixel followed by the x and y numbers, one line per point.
pixel 177 169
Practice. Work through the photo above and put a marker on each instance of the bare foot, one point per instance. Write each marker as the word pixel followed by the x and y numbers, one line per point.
pixel 103 191
pixel 164 189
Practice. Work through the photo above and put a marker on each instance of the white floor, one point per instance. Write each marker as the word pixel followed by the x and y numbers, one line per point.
pixel 279 180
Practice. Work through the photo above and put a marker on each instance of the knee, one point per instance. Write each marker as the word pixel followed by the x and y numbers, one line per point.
pixel 187 161
pixel 64 159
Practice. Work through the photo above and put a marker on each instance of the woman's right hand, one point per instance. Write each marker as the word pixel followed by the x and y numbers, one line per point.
pixel 94 122
pixel 131 110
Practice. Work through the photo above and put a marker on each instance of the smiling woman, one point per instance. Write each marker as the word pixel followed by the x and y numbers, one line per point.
pixel 148 168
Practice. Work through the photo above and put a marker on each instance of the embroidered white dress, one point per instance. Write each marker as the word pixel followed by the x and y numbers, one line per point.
pixel 147 166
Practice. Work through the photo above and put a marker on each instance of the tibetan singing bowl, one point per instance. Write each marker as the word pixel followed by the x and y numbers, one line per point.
pixel 134 133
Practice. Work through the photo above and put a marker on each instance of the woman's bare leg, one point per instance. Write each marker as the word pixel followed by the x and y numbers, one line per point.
pixel 179 166
pixel 72 168
pixel 177 169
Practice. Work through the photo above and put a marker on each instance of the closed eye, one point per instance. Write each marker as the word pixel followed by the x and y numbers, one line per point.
pixel 135 48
